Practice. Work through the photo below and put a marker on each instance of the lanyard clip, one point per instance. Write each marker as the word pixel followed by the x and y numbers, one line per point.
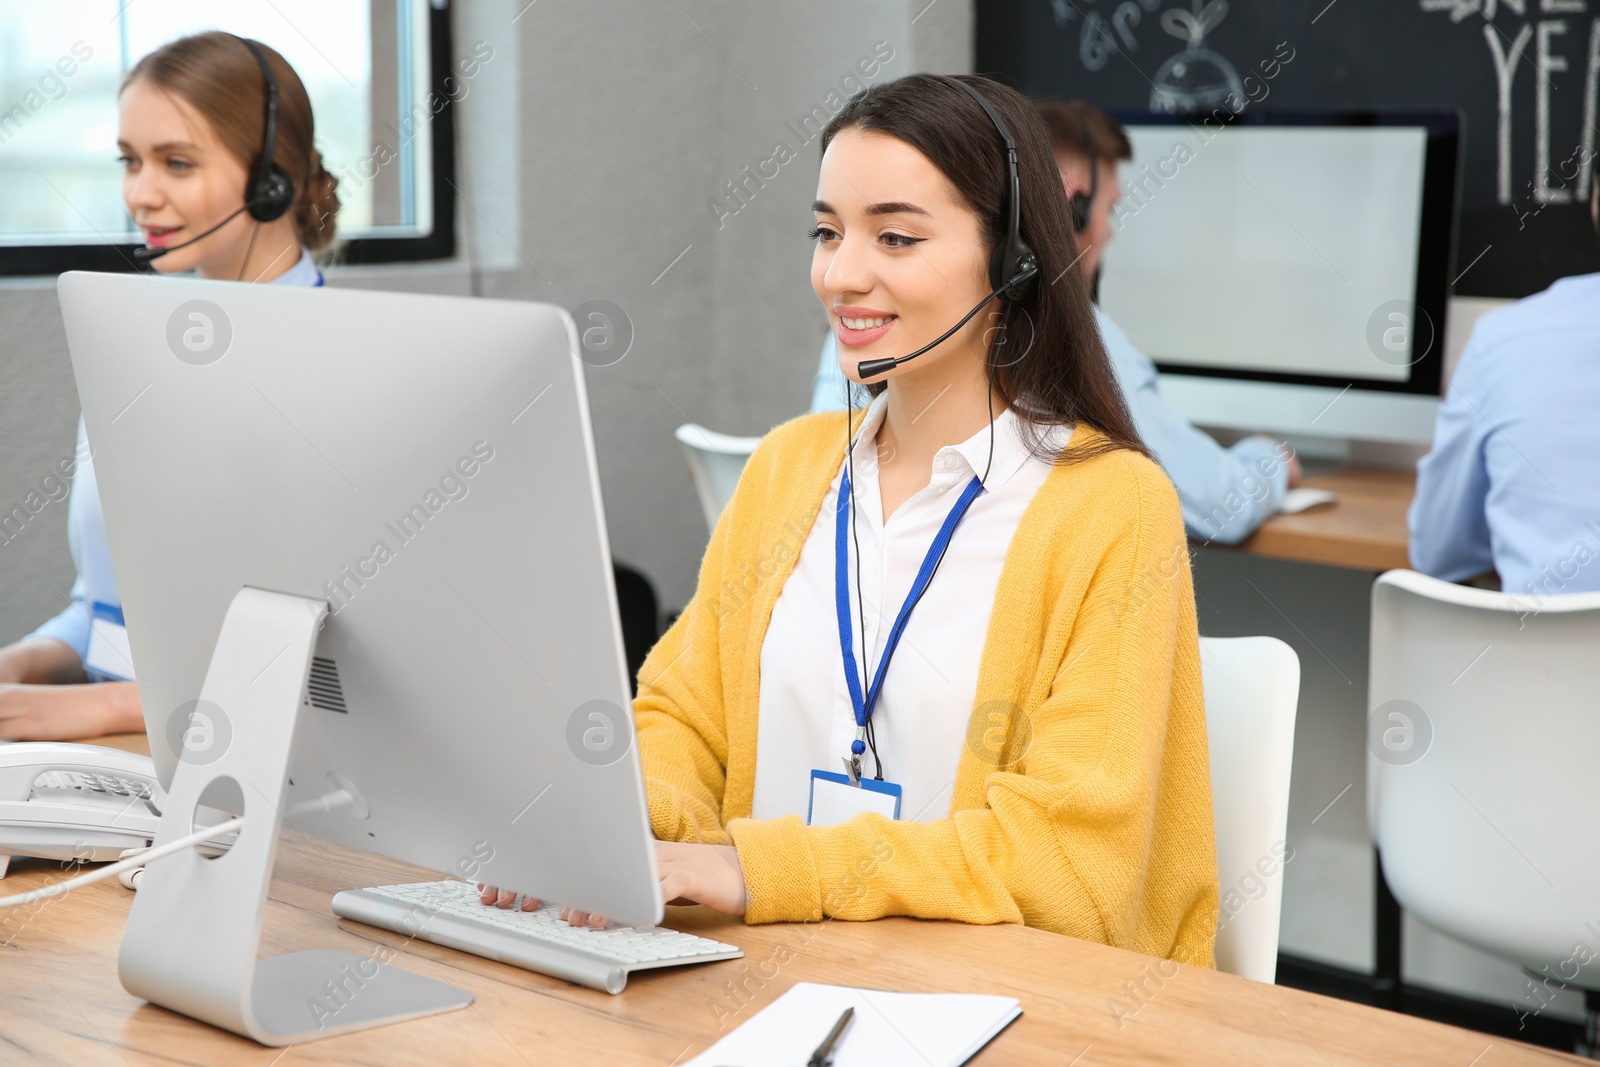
pixel 852 762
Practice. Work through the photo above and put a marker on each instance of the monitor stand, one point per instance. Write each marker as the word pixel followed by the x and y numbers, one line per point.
pixel 193 933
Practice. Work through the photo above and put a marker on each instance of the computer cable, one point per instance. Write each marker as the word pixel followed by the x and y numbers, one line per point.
pixel 135 859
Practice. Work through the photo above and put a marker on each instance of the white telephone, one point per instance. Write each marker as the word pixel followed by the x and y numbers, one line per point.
pixel 87 803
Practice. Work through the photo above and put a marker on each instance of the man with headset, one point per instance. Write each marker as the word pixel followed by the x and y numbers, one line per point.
pixel 1225 492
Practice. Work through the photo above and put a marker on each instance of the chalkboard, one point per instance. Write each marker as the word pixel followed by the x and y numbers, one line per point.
pixel 1523 73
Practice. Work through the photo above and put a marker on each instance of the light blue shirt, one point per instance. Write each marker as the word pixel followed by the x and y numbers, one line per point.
pixel 86 524
pixel 1513 481
pixel 1225 492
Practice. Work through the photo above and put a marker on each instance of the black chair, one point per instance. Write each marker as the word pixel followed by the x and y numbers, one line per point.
pixel 636 604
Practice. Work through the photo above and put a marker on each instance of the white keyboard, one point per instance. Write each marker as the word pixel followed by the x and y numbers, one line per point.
pixel 448 913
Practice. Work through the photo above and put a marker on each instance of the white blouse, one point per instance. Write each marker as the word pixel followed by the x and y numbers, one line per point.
pixel 806 720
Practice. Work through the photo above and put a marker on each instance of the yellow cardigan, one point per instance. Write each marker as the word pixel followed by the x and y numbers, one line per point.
pixel 1082 802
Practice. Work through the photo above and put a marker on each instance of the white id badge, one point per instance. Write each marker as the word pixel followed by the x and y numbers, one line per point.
pixel 109 659
pixel 834 800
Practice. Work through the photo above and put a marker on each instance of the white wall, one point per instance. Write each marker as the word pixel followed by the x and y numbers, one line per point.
pixel 589 147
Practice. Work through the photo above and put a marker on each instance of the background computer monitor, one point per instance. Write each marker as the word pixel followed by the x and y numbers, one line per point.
pixel 1276 259
pixel 425 465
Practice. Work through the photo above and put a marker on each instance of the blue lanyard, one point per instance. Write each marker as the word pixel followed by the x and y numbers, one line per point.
pixel 865 704
pixel 319 280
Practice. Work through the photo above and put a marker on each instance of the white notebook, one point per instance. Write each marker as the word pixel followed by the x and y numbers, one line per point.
pixel 920 1029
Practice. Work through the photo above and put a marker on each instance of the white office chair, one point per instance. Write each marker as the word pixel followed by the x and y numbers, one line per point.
pixel 1482 735
pixel 1252 689
pixel 715 462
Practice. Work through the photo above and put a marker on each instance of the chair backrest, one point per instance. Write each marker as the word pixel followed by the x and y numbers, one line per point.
pixel 715 462
pixel 1252 689
pixel 1483 732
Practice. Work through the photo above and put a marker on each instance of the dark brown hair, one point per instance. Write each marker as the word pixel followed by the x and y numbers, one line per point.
pixel 217 75
pixel 1066 120
pixel 1047 358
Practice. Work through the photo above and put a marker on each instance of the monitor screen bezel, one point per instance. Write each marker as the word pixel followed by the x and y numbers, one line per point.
pixel 1436 237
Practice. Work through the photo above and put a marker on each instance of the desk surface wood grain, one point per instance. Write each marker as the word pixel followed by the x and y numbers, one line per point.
pixel 1083 1003
pixel 1364 530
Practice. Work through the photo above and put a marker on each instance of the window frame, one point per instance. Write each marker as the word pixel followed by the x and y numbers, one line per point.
pixel 439 244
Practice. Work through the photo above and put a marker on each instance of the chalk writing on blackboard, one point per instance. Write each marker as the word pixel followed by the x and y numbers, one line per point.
pixel 1196 79
pixel 1099 36
pixel 1509 54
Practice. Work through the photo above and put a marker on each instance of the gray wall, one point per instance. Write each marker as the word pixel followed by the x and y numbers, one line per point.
pixel 589 147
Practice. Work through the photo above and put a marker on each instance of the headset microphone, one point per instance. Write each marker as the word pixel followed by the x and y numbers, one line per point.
pixel 1013 268
pixel 146 254
pixel 269 192
pixel 871 368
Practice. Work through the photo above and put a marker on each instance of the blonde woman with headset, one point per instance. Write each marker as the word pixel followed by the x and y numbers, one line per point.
pixel 222 177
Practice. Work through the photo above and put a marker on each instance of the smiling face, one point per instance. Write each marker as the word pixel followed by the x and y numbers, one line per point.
pixel 899 257
pixel 179 180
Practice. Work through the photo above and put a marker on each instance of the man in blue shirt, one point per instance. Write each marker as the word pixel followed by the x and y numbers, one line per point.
pixel 1513 481
pixel 1225 492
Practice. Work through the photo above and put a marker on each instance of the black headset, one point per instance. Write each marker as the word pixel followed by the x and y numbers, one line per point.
pixel 1081 202
pixel 269 192
pixel 1013 267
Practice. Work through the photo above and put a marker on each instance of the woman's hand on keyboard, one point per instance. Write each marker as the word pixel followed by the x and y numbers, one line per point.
pixel 505 898
pixel 690 874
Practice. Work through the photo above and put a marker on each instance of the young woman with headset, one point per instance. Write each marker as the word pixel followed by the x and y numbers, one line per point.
pixel 951 670
pixel 221 175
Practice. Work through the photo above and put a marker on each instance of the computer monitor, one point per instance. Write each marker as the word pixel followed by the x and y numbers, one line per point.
pixel 421 468
pixel 1276 260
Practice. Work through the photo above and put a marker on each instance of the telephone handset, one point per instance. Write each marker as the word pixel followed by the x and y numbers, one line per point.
pixel 73 802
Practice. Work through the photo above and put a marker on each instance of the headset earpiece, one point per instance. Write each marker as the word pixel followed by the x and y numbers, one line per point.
pixel 269 192
pixel 1081 203
pixel 1009 261
pixel 269 195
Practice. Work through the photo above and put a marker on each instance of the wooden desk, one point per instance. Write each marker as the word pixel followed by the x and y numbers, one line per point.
pixel 1365 529
pixel 60 1001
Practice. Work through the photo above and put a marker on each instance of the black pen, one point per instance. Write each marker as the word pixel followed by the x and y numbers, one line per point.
pixel 824 1054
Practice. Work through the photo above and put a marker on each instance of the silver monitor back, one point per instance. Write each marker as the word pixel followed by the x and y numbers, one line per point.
pixel 424 464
